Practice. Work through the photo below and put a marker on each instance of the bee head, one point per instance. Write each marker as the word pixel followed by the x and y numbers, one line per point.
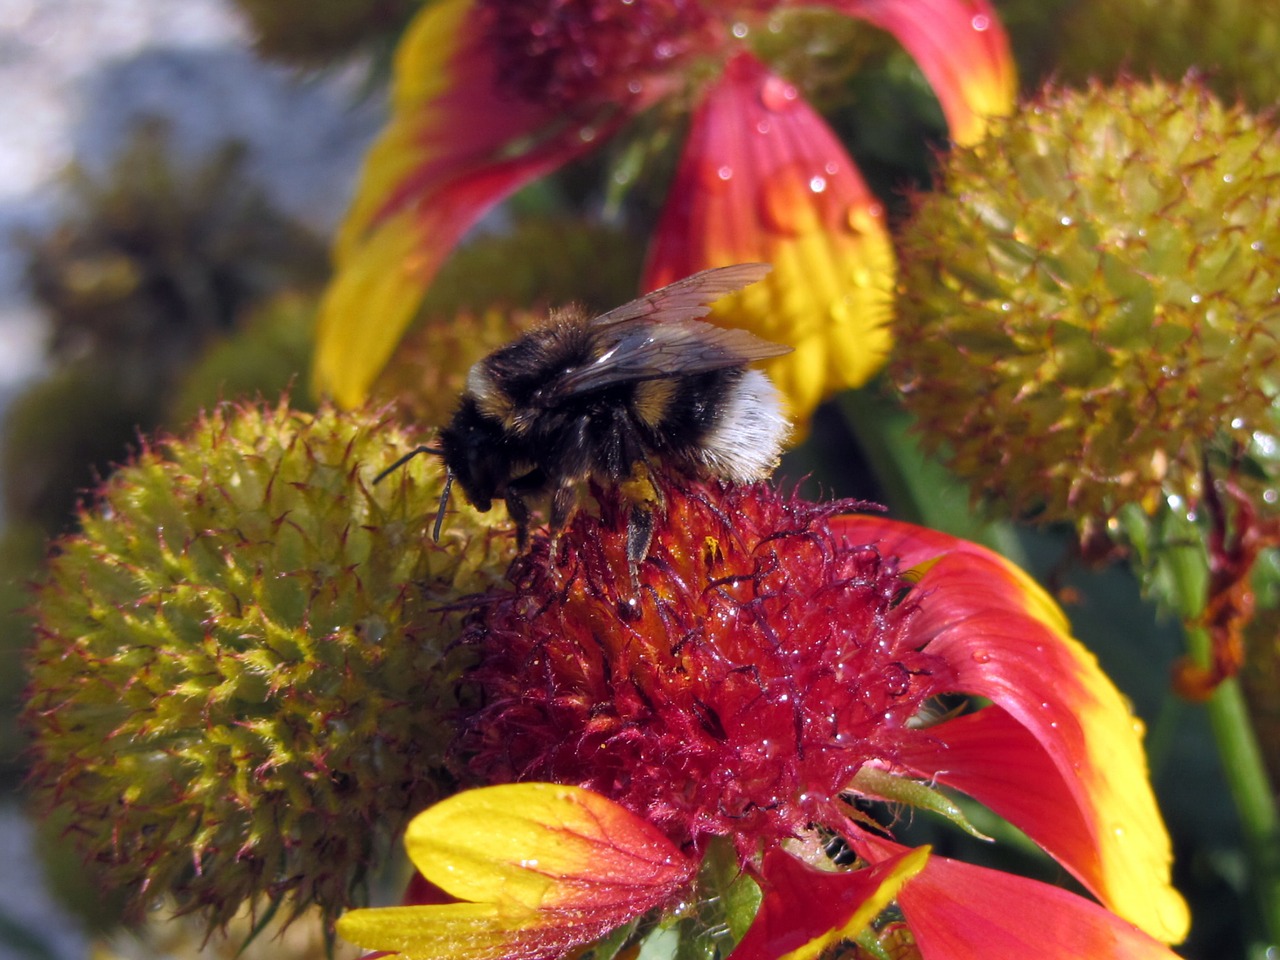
pixel 472 446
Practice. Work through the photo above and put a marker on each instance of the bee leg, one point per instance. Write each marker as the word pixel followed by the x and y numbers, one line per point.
pixel 563 503
pixel 518 511
pixel 639 536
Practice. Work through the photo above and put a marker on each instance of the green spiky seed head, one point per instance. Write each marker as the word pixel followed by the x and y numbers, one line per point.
pixel 1091 299
pixel 244 674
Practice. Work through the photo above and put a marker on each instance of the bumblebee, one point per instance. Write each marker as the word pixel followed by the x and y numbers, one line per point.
pixel 612 399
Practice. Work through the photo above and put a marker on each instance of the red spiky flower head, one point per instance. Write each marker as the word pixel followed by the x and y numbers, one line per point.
pixel 770 662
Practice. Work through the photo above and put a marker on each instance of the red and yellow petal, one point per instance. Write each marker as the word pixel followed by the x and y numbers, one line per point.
pixel 962 49
pixel 1009 642
pixel 454 147
pixel 805 911
pixel 543 868
pixel 763 178
pixel 957 911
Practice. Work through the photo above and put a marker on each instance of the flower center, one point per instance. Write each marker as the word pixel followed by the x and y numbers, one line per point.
pixel 760 664
pixel 569 52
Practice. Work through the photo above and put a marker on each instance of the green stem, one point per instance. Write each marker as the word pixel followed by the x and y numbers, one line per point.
pixel 1249 785
pixel 917 488
pixel 1251 790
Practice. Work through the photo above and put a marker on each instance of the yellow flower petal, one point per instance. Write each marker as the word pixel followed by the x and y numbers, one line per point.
pixel 548 867
pixel 456 145
pixel 763 178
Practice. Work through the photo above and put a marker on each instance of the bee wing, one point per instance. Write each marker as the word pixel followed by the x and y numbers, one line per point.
pixel 686 299
pixel 645 349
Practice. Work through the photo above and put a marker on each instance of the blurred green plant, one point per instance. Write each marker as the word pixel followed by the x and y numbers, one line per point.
pixel 156 262
pixel 316 33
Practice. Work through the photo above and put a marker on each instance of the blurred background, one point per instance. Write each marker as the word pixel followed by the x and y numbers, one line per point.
pixel 152 168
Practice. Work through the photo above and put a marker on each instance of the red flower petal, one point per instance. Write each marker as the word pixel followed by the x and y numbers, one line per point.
pixel 456 145
pixel 762 178
pixel 1008 641
pixel 962 49
pixel 805 910
pixel 957 911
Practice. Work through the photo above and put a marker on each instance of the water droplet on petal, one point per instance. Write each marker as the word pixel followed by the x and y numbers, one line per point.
pixel 786 206
pixel 817 184
pixel 587 134
pixel 777 95
pixel 981 22
pixel 981 656
pixel 862 219
pixel 763 126
pixel 740 29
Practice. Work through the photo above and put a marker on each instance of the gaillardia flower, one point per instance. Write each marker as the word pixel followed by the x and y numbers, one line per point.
pixel 492 94
pixel 770 673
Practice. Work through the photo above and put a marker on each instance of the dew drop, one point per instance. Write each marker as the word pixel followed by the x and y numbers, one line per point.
pixel 529 864
pixel 861 219
pixel 1257 246
pixel 981 656
pixel 786 206
pixel 817 184
pixel 777 95
pixel 831 168
pixel 763 127
pixel 587 134
pixel 725 172
pixel 740 30
pixel 1228 178
pixel 1196 298
pixel 1237 423
pixel 1065 221
pixel 981 23
pixel 635 86
pixel 1271 496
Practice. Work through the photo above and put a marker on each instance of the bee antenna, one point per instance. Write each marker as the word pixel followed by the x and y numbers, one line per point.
pixel 444 502
pixel 415 452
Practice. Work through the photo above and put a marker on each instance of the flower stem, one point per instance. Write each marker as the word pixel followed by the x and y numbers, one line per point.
pixel 1250 786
